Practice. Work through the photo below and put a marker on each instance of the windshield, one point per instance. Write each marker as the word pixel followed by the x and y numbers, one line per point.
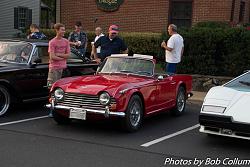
pixel 15 52
pixel 127 65
pixel 242 83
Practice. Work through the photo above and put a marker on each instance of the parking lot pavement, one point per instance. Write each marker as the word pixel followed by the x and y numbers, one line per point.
pixel 41 142
pixel 194 144
pixel 105 131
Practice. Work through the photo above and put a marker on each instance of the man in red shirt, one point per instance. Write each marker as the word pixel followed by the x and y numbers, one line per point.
pixel 59 51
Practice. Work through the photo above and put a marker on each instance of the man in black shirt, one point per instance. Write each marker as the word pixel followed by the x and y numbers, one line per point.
pixel 110 44
pixel 78 38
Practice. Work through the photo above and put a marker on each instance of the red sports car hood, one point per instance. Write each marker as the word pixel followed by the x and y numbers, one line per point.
pixel 95 83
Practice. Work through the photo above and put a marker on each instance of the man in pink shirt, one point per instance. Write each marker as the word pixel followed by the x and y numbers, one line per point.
pixel 59 51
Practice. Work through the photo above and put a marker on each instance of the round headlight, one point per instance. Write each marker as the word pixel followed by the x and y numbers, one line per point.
pixel 59 94
pixel 104 98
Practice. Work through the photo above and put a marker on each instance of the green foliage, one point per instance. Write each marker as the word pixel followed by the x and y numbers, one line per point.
pixel 216 51
pixel 208 51
pixel 142 43
pixel 21 34
pixel 212 24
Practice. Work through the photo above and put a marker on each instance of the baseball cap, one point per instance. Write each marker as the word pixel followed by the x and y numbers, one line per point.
pixel 113 29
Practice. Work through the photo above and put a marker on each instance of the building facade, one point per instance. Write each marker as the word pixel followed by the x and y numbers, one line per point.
pixel 16 15
pixel 150 15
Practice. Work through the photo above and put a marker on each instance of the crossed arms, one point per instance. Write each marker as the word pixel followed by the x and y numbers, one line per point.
pixel 58 56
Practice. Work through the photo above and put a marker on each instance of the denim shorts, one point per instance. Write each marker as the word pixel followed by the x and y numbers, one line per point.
pixel 171 68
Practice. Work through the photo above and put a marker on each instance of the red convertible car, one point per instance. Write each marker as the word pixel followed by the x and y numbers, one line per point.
pixel 124 86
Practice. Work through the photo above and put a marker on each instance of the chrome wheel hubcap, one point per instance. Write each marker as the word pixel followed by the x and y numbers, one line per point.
pixel 135 115
pixel 181 101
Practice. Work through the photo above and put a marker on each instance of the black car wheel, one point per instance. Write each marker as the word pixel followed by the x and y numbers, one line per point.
pixel 134 113
pixel 4 100
pixel 61 120
pixel 180 102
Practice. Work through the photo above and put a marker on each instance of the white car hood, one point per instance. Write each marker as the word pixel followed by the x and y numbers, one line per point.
pixel 237 102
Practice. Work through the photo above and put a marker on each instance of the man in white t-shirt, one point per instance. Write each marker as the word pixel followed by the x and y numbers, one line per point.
pixel 174 49
pixel 98 33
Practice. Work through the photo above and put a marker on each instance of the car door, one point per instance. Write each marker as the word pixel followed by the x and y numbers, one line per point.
pixel 29 78
pixel 38 73
pixel 166 91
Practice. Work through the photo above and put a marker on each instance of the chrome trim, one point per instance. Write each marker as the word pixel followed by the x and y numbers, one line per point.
pixel 234 135
pixel 75 100
pixel 105 112
pixel 190 95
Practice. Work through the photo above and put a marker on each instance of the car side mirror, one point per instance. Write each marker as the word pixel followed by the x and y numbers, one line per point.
pixel 160 77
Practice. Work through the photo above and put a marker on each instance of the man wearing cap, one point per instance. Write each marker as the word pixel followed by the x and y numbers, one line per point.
pixel 110 44
pixel 78 38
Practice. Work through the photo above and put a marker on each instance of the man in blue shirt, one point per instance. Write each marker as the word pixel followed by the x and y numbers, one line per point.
pixel 35 33
pixel 110 44
pixel 78 38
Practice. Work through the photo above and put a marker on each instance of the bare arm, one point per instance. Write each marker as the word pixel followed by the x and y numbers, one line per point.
pixel 163 45
pixel 182 51
pixel 54 57
pixel 73 43
pixel 93 52
pixel 62 55
pixel 98 60
pixel 71 40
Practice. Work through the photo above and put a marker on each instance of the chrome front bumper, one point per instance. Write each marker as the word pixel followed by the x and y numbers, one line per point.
pixel 220 132
pixel 105 112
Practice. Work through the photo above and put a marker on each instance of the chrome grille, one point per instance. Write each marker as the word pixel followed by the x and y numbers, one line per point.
pixel 83 101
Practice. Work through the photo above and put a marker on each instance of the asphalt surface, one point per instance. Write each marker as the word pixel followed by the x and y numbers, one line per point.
pixel 43 143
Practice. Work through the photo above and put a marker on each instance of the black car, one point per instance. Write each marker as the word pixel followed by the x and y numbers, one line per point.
pixel 24 71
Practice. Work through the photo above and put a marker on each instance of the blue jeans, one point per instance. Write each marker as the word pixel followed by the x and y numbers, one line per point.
pixel 171 68
pixel 82 51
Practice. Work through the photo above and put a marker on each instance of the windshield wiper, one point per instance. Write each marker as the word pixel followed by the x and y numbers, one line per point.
pixel 144 72
pixel 245 83
pixel 126 71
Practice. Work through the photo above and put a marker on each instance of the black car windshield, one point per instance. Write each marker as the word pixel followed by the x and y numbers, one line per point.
pixel 241 83
pixel 127 65
pixel 15 52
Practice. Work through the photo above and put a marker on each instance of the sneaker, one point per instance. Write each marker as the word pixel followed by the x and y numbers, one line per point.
pixel 50 115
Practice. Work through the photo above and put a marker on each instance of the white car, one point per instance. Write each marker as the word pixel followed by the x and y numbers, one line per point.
pixel 226 109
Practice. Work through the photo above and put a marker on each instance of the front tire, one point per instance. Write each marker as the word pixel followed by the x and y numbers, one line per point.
pixel 5 100
pixel 180 102
pixel 134 114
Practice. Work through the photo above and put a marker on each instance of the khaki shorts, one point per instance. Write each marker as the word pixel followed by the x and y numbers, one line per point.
pixel 53 76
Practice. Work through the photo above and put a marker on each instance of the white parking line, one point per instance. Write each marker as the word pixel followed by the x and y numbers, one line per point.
pixel 24 120
pixel 170 136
